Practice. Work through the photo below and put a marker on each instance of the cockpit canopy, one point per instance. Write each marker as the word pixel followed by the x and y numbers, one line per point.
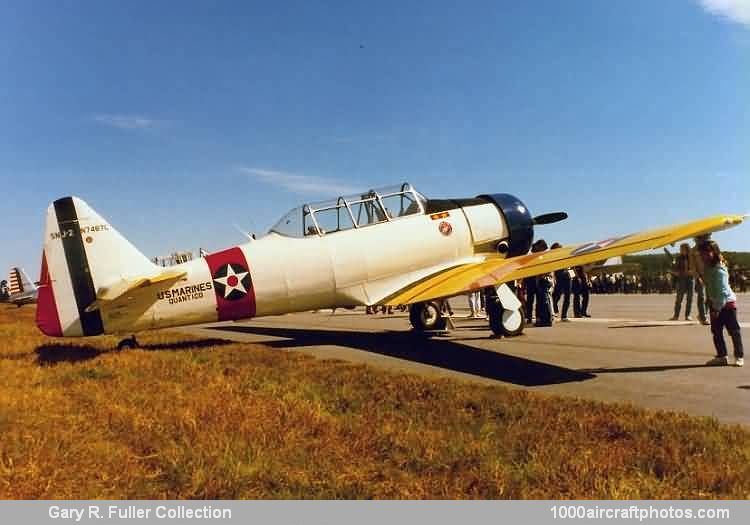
pixel 354 211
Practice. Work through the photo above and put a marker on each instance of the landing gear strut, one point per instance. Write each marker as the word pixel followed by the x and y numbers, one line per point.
pixel 128 343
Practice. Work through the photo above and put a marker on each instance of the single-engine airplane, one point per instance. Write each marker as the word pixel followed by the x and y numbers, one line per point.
pixel 390 246
pixel 20 288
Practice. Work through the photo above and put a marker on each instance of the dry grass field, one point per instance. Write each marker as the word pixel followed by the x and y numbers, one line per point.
pixel 206 419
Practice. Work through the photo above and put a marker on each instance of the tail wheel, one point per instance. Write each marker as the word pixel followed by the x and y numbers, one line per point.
pixel 426 317
pixel 508 323
pixel 127 344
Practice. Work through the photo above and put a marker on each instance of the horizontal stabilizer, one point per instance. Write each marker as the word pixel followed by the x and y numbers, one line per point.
pixel 112 293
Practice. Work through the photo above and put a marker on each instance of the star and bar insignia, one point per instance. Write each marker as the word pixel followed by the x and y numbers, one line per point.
pixel 232 281
pixel 599 245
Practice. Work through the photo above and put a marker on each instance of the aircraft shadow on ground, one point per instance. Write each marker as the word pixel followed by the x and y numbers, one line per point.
pixel 435 352
pixel 67 353
pixel 633 369
pixel 52 354
pixel 187 345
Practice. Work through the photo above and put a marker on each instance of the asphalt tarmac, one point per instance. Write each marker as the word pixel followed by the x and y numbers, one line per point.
pixel 627 352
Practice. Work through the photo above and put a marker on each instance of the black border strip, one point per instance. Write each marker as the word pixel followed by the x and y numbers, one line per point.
pixel 78 266
pixel 440 205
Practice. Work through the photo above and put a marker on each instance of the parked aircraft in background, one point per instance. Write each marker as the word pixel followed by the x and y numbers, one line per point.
pixel 391 246
pixel 20 288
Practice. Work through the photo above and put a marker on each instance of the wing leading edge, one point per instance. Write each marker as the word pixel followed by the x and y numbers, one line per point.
pixel 495 269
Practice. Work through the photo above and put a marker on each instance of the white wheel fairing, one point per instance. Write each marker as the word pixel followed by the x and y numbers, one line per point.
pixel 507 297
pixel 505 313
pixel 512 320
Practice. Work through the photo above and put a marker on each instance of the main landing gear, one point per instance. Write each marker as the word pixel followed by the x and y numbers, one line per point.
pixel 427 317
pixel 129 343
pixel 503 309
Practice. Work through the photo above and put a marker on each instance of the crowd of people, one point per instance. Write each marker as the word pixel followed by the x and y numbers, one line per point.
pixel 541 295
pixel 622 283
pixel 648 283
pixel 700 270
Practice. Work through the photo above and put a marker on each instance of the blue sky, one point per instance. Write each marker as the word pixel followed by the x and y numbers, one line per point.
pixel 177 120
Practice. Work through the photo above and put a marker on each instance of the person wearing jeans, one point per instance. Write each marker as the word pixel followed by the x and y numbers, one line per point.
pixel 722 303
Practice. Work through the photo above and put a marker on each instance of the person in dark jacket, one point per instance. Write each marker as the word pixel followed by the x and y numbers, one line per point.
pixel 529 292
pixel 544 313
pixel 543 287
pixel 562 289
pixel 581 288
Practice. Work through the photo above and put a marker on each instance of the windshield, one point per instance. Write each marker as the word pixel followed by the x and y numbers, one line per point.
pixel 353 211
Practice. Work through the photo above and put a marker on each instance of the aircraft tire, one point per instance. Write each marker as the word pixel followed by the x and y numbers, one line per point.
pixel 425 317
pixel 505 323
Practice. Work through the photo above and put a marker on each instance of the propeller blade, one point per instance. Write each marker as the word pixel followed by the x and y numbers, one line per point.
pixel 549 218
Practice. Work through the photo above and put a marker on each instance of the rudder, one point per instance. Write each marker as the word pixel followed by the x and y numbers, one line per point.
pixel 15 282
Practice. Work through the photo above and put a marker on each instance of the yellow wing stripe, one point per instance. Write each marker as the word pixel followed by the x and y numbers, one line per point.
pixel 495 269
pixel 424 285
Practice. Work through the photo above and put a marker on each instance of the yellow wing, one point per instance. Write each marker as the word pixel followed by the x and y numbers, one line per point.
pixel 496 269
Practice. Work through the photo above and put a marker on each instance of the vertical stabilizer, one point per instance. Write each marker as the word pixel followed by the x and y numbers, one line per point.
pixel 83 253
pixel 15 282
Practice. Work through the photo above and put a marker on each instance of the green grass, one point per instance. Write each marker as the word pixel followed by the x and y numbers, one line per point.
pixel 190 420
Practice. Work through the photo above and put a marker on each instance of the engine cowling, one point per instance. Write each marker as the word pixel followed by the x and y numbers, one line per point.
pixel 518 220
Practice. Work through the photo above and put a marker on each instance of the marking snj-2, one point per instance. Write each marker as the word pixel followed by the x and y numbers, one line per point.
pixel 71 232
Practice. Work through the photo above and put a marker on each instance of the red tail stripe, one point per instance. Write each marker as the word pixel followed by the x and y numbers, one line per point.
pixel 47 318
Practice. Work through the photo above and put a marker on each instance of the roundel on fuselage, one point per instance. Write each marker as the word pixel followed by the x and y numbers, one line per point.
pixel 232 281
